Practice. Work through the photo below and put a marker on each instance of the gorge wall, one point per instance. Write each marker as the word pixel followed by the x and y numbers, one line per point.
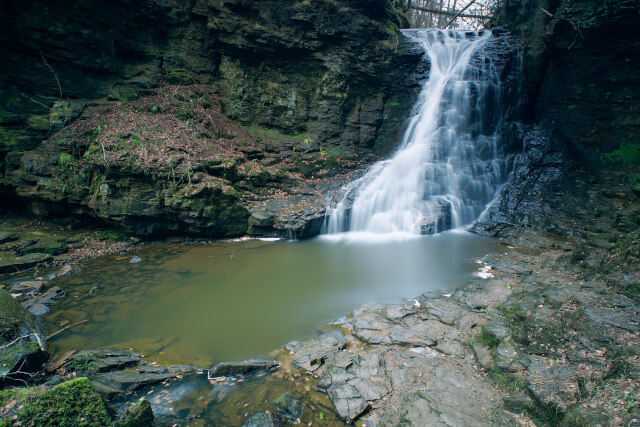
pixel 580 106
pixel 253 95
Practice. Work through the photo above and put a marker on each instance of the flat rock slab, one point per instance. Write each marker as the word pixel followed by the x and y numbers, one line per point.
pixel 103 360
pixel 553 382
pixel 29 286
pixel 261 419
pixel 25 262
pixel 226 369
pixel 353 380
pixel 45 300
pixel 7 236
pixel 310 355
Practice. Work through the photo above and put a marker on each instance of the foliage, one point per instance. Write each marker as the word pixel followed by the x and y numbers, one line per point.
pixel 628 152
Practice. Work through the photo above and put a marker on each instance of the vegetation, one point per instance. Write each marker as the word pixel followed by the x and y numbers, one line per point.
pixel 73 402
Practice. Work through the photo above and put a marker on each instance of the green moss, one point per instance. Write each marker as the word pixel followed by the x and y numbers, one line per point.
pixel 139 415
pixel 180 76
pixel 331 163
pixel 7 142
pixel 628 153
pixel 73 402
pixel 128 94
pixel 64 160
pixel 487 338
pixel 39 123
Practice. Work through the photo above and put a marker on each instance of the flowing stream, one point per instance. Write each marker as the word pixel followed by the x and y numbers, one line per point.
pixel 448 166
pixel 231 300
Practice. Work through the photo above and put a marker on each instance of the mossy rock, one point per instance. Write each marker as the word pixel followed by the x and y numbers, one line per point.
pixel 64 112
pixel 180 77
pixel 140 415
pixel 15 321
pixel 7 140
pixel 72 403
pixel 38 123
pixel 124 94
pixel 23 354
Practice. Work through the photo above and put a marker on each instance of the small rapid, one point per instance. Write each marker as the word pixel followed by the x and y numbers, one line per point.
pixel 448 166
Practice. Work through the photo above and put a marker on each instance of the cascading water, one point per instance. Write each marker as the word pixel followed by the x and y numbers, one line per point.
pixel 447 167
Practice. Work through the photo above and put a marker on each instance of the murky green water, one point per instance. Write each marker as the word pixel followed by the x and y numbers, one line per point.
pixel 232 300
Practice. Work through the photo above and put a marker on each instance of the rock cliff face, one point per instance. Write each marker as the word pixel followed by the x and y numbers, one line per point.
pixel 581 90
pixel 311 83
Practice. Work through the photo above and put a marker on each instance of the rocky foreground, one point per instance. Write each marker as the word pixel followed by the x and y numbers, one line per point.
pixel 548 334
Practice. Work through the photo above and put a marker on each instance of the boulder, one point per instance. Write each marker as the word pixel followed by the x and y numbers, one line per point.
pixel 310 355
pixel 71 403
pixel 226 369
pixel 261 419
pixel 289 408
pixel 25 262
pixel 22 341
pixel 140 415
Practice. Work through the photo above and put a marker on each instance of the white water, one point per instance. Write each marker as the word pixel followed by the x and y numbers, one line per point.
pixel 447 168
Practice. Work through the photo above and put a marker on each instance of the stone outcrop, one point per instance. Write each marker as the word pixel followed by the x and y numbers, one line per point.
pixel 245 81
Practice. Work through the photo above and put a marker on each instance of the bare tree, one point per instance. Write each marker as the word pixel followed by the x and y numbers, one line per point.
pixel 471 14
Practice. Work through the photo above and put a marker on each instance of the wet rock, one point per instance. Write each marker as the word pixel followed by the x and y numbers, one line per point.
pixel 22 338
pixel 288 407
pixel 226 369
pixel 139 415
pixel 261 419
pixel 64 270
pixel 102 360
pixel 260 222
pixel 70 403
pixel 29 286
pixel 122 381
pixel 38 309
pixel 55 364
pixel 25 262
pixel 310 355
pixel 47 300
pixel 172 369
pixel 7 236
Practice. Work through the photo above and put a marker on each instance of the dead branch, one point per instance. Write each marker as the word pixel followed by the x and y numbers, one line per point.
pixel 14 341
pixel 33 100
pixel 65 328
pixel 575 24
pixel 52 72
pixel 457 15
pixel 450 13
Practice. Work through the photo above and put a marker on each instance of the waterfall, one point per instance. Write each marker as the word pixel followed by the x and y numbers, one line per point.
pixel 448 167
